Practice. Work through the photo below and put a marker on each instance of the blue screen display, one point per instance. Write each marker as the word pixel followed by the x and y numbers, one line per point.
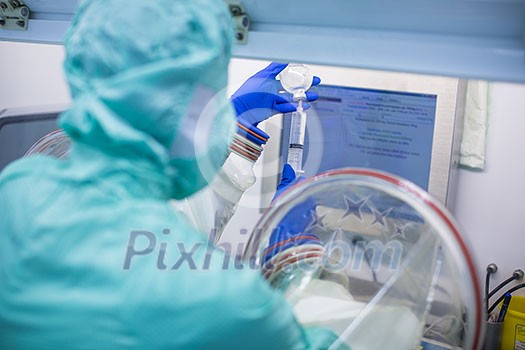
pixel 354 127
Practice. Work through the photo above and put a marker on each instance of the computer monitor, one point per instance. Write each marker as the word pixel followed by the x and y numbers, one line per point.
pixel 20 128
pixel 380 129
pixel 404 124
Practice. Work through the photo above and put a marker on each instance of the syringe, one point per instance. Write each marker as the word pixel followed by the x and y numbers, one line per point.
pixel 296 79
pixel 297 132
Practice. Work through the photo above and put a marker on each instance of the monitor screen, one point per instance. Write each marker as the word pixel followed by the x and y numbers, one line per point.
pixel 385 130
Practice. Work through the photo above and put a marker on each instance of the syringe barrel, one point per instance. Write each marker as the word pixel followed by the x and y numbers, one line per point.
pixel 297 128
pixel 295 159
pixel 297 133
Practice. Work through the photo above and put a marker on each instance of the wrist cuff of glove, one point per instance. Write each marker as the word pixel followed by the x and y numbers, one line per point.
pixel 245 147
pixel 251 132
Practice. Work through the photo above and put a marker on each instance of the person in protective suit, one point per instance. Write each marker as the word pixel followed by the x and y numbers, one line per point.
pixel 149 122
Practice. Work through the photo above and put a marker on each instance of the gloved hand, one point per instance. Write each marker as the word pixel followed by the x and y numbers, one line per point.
pixel 287 179
pixel 292 231
pixel 259 98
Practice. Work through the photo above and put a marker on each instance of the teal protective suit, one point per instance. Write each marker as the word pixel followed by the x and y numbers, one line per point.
pixel 91 254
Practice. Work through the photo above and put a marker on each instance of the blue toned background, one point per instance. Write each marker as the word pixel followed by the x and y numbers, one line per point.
pixel 385 130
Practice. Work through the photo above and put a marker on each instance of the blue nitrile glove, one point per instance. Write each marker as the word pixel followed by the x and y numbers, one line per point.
pixel 259 98
pixel 292 231
pixel 287 179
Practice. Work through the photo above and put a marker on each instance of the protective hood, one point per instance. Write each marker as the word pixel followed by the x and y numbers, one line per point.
pixel 148 83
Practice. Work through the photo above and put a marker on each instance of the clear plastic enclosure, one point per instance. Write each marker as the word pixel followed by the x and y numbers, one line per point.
pixel 56 144
pixel 374 258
